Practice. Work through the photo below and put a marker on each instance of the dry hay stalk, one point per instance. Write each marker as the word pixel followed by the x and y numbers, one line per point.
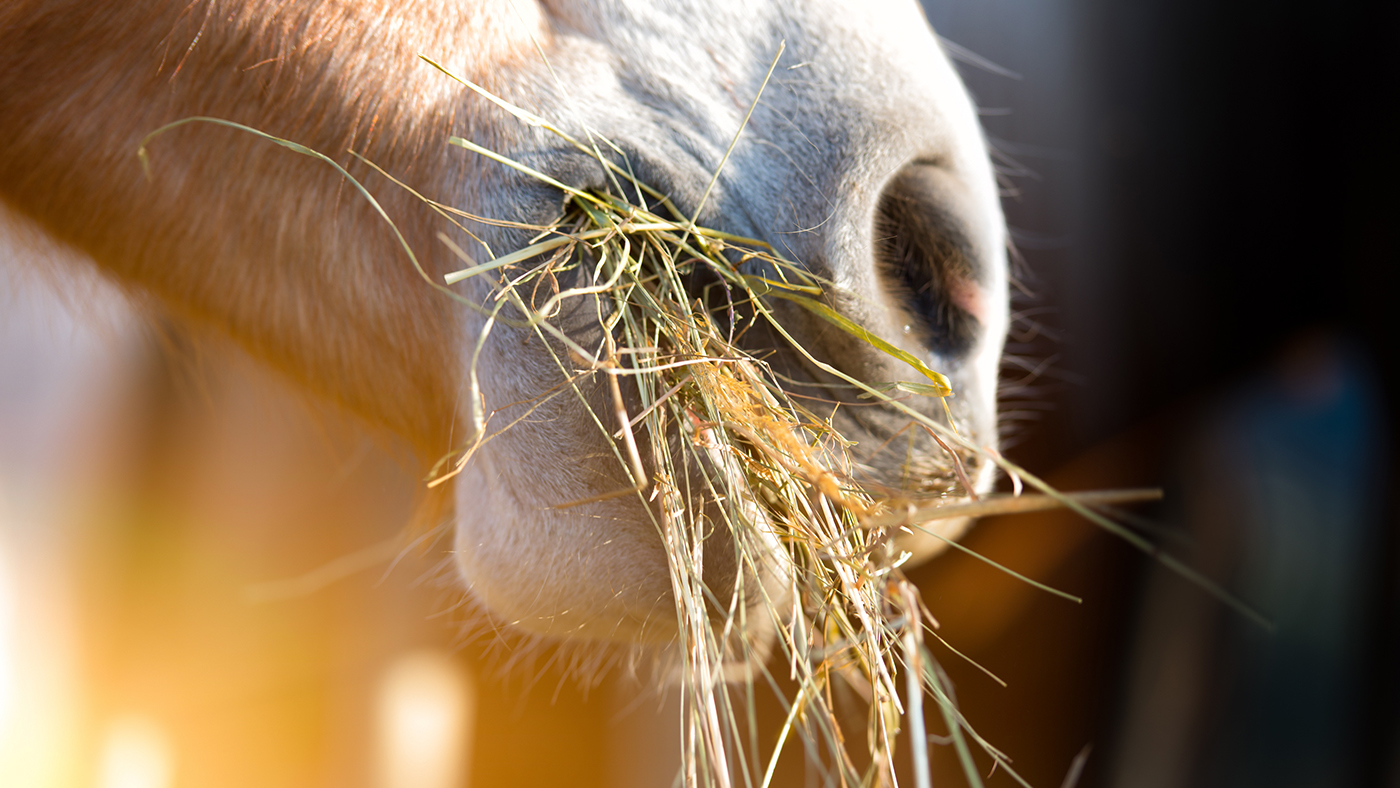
pixel 814 545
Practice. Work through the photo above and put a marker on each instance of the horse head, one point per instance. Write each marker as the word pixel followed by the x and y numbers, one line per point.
pixel 861 162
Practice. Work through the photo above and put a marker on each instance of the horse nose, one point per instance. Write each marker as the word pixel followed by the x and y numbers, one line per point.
pixel 929 260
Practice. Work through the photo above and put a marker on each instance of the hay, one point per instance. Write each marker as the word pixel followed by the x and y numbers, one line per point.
pixel 820 581
pixel 814 545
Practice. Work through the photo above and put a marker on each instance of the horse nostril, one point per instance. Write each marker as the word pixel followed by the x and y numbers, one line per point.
pixel 923 251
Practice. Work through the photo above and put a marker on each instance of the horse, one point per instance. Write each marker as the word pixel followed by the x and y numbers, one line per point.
pixel 862 161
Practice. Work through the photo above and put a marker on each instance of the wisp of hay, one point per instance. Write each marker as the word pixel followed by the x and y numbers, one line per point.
pixel 815 547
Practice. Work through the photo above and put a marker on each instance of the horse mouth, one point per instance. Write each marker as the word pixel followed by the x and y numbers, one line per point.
pixel 718 438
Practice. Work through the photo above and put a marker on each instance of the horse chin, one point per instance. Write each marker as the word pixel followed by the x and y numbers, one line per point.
pixel 544 561
pixel 563 572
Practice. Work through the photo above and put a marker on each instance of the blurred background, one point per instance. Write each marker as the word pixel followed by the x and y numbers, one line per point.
pixel 195 584
pixel 1203 194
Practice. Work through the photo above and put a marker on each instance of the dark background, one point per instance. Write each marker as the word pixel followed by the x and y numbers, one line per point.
pixel 1203 195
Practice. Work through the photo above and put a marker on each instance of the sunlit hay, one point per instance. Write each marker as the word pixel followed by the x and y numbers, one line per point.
pixel 820 589
pixel 718 446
